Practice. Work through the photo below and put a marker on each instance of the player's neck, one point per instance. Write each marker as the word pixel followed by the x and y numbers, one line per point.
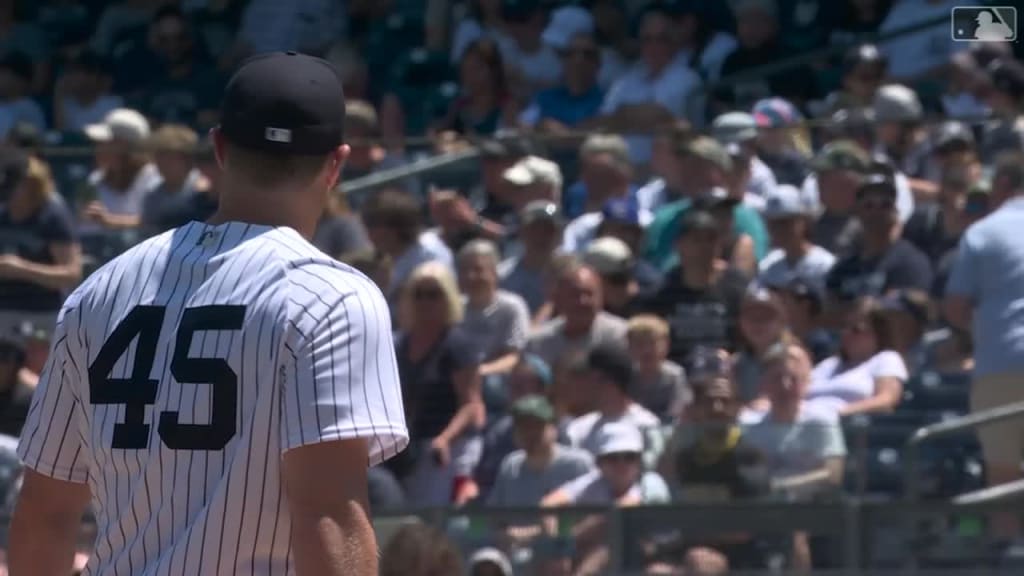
pixel 267 210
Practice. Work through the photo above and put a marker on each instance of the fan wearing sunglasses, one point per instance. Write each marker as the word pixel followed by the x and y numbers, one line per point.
pixel 884 261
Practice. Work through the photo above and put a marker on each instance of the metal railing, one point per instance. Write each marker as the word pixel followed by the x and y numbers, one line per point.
pixel 911 455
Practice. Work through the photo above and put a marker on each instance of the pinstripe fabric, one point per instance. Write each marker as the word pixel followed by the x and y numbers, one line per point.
pixel 313 361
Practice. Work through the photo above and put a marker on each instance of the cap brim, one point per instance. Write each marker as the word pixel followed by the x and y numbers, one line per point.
pixel 517 176
pixel 98 132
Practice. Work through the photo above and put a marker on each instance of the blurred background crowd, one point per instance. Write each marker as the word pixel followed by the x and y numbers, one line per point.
pixel 684 252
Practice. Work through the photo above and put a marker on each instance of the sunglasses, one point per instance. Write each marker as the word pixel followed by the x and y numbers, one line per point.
pixel 427 294
pixel 621 458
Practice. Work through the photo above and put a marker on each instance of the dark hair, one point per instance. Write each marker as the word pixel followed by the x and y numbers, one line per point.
pixel 1010 166
pixel 395 209
pixel 420 549
pixel 269 169
pixel 612 362
pixel 877 320
pixel 490 53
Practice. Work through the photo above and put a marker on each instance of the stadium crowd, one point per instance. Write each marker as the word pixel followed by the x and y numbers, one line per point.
pixel 662 281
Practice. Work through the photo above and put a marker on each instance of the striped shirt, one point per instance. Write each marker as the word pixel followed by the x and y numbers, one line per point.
pixel 182 371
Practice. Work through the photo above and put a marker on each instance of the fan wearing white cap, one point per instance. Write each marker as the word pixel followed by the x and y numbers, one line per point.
pixel 124 175
pixel 789 217
pixel 619 479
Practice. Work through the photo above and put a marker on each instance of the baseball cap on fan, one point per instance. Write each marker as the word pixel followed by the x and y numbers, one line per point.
pixel 120 125
pixel 284 102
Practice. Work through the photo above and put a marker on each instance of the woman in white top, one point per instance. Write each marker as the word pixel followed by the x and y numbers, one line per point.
pixel 866 375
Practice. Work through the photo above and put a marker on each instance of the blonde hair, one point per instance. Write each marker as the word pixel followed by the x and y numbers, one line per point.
pixel 647 325
pixel 429 272
pixel 39 181
pixel 174 138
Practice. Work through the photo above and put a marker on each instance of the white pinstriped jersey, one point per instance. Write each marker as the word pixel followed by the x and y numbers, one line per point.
pixel 182 370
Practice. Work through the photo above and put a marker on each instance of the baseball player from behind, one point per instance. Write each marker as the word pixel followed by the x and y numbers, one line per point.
pixel 219 391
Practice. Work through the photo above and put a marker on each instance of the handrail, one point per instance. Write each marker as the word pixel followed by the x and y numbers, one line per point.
pixel 947 428
pixel 1009 491
pixel 399 173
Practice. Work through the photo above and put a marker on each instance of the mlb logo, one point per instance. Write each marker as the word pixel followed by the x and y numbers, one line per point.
pixel 984 24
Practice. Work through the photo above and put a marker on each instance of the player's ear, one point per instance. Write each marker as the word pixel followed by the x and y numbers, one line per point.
pixel 218 145
pixel 335 163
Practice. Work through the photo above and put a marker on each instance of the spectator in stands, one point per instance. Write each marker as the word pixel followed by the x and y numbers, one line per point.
pixel 16 385
pixel 484 104
pixel 610 373
pixel 418 548
pixel 578 98
pixel 349 60
pixel 307 26
pixel 700 165
pixel 739 129
pixel 605 173
pixel 531 375
pixel 570 393
pixel 82 94
pixel 484 20
pixel 620 480
pixel 368 154
pixel 119 20
pixel 340 230
pixel 762 324
pixel 16 104
pixel 701 297
pixel 983 297
pixel 621 217
pixel 582 322
pixel 174 151
pixel 439 368
pixel 19 34
pixel 790 220
pixel 922 54
pixel 124 174
pixel 373 263
pixel 902 138
pixel 186 89
pixel 658 384
pixel 707 462
pixel 866 375
pixel 539 233
pixel 781 143
pixel 863 71
pixel 667 183
pixel 704 49
pixel 204 203
pixel 41 257
pixel 1005 132
pixel 883 261
pixel 531 62
pixel 614 262
pixel 966 86
pixel 804 302
pixel 392 221
pixel 737 248
pixel 496 321
pixel 802 451
pixel 757 31
pixel 908 315
pixel 654 91
pixel 839 168
pixel 540 465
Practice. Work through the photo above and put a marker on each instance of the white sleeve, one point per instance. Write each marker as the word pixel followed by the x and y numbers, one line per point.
pixel 51 441
pixel 575 489
pixel 888 364
pixel 520 326
pixel 338 374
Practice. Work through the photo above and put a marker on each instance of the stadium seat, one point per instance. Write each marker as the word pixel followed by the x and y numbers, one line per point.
pixel 389 40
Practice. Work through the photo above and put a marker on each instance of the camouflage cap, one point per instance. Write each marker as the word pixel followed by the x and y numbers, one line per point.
pixel 842 155
pixel 534 406
pixel 708 149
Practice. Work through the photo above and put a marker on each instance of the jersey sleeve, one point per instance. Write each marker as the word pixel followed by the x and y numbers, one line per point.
pixel 338 374
pixel 51 440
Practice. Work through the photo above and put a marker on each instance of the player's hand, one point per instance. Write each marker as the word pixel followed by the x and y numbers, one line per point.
pixel 440 451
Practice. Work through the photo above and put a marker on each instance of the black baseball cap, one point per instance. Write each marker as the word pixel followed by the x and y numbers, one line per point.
pixel 284 102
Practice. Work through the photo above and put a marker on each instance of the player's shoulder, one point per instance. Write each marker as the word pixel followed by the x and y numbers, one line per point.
pixel 329 278
pixel 130 259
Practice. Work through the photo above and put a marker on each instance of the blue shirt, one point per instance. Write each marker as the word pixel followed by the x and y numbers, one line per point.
pixel 561 105
pixel 989 270
pixel 574 201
